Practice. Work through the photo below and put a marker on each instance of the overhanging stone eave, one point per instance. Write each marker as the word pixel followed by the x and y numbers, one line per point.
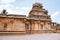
pixel 10 17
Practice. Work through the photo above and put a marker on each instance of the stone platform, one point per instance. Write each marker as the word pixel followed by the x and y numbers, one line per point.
pixel 28 32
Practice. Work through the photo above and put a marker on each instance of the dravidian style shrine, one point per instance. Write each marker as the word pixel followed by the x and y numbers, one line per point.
pixel 38 21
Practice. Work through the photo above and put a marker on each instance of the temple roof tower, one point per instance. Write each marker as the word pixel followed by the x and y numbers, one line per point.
pixel 39 12
pixel 37 9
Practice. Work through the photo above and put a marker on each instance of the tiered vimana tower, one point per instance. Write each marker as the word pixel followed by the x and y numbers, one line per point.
pixel 40 21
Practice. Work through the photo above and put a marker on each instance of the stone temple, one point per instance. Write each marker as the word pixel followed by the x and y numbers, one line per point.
pixel 38 21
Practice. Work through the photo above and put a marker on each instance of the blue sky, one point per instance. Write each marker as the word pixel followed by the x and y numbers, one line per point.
pixel 23 7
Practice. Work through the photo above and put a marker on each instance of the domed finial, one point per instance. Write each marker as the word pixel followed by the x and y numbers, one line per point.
pixel 39 5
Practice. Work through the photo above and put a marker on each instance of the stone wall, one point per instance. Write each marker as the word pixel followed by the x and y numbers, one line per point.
pixel 11 24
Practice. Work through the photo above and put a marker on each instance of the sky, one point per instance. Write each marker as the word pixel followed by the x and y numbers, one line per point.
pixel 23 7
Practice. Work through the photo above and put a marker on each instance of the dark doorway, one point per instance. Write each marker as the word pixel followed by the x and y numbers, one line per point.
pixel 5 26
pixel 41 26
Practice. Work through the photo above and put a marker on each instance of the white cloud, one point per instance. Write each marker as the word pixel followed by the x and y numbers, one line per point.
pixel 17 12
pixel 6 6
pixel 7 1
pixel 13 9
pixel 10 11
pixel 55 14
pixel 25 8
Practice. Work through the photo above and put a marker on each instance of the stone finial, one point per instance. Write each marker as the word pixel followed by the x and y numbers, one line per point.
pixel 38 5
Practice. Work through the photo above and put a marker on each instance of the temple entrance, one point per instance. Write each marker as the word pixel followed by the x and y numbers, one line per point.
pixel 41 26
pixel 5 26
pixel 27 28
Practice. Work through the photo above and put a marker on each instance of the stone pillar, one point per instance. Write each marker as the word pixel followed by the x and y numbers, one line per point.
pixel 1 26
pixel 42 26
pixel 36 26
